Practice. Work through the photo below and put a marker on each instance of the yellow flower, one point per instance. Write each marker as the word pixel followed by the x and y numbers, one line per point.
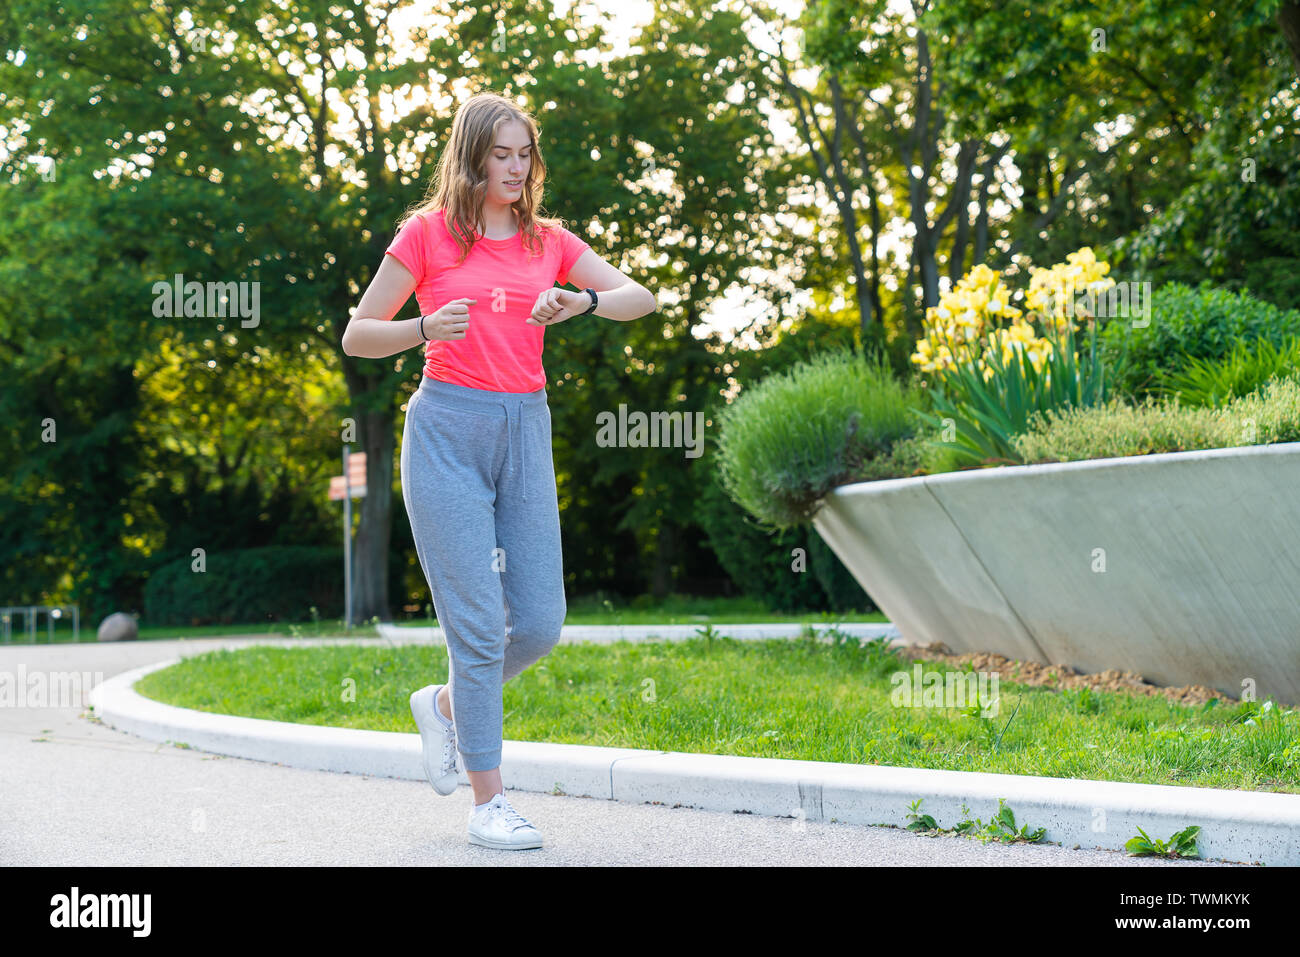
pixel 974 321
pixel 981 274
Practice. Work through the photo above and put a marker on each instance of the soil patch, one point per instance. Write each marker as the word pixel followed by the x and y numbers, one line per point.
pixel 1061 676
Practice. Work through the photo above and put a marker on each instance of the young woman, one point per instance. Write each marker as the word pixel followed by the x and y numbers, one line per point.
pixel 476 468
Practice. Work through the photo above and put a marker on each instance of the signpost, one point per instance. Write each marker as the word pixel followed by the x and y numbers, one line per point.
pixel 351 484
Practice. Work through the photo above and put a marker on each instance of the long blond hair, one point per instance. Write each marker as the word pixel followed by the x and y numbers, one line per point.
pixel 460 184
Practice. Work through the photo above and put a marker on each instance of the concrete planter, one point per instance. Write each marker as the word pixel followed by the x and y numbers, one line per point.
pixel 1183 567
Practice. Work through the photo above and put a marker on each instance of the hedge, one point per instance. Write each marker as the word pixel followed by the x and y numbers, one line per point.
pixel 273 583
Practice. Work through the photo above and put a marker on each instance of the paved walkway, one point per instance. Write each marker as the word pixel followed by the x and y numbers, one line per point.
pixel 78 793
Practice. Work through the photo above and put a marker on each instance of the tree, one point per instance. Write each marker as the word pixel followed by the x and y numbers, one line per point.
pixel 1103 114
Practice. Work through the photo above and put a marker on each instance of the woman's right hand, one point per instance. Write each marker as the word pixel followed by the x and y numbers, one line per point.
pixel 449 322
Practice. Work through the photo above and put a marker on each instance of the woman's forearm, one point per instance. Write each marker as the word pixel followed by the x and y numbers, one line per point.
pixel 377 338
pixel 628 301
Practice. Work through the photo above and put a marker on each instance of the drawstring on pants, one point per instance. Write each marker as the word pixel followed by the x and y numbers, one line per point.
pixel 510 442
pixel 483 400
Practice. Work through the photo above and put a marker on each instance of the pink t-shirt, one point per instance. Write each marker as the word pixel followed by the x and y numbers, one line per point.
pixel 500 352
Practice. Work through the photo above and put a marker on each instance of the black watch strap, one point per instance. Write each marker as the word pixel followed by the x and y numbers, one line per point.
pixel 594 300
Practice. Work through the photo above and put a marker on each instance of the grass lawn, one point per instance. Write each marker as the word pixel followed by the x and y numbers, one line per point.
pixel 674 610
pixel 687 610
pixel 820 700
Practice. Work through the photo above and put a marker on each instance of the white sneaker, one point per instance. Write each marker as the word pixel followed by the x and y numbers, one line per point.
pixel 437 740
pixel 497 824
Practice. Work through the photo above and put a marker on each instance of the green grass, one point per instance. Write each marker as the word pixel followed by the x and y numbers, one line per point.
pixel 687 610
pixel 673 610
pixel 809 699
pixel 786 441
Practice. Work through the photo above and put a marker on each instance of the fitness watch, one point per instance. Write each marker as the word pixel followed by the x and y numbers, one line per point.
pixel 592 293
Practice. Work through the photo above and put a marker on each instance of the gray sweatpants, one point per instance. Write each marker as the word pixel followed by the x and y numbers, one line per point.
pixel 479 485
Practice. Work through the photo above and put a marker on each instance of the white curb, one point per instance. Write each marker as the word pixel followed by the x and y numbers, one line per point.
pixel 1249 826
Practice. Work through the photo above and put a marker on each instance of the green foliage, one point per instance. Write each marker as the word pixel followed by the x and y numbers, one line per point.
pixel 1014 711
pixel 1274 735
pixel 1000 828
pixel 920 822
pixel 909 456
pixel 177 433
pixel 1181 844
pixel 761 562
pixel 792 438
pixel 986 416
pixel 1268 416
pixel 627 512
pixel 1187 324
pixel 1084 700
pixel 1236 223
pixel 1049 74
pixel 276 583
pixel 141 473
pixel 869 658
pixel 1250 364
pixel 843 593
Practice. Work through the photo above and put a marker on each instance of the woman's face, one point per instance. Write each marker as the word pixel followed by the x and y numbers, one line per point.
pixel 509 160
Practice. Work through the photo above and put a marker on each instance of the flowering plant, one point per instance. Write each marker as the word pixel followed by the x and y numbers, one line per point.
pixel 964 327
pixel 992 368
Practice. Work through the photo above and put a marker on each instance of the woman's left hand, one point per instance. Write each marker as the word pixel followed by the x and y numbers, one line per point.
pixel 555 305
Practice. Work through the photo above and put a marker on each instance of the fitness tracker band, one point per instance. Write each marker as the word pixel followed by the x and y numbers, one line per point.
pixel 592 293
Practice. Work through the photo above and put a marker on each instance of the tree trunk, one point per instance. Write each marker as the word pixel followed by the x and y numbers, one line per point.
pixel 1288 19
pixel 982 217
pixel 923 245
pixel 662 577
pixel 911 318
pixel 959 208
pixel 874 202
pixel 370 552
pixel 370 558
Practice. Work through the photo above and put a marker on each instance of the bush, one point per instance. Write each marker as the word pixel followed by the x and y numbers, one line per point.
pixel 275 583
pixel 1271 415
pixel 909 456
pixel 1187 324
pixel 843 593
pixel 788 440
pixel 1250 364
pixel 759 561
pixel 1236 232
